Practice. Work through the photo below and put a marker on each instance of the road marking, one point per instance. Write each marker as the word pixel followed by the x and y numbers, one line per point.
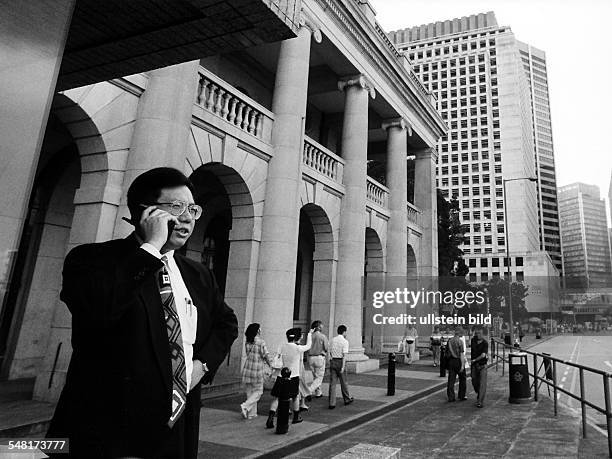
pixel 570 400
pixel 607 362
pixel 563 379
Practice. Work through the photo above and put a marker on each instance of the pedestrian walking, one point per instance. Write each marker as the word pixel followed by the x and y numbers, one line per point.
pixel 456 366
pixel 317 357
pixel 338 350
pixel 410 340
pixel 292 355
pixel 479 348
pixel 435 342
pixel 257 362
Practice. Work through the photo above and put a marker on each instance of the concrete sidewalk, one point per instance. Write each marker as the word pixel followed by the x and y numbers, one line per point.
pixel 224 433
pixel 434 428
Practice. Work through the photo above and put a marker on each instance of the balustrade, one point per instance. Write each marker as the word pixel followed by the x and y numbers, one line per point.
pixel 322 160
pixel 221 99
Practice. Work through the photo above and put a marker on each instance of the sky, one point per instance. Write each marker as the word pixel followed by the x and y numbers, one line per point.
pixel 576 38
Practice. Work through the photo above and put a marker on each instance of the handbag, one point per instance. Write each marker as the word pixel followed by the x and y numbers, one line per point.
pixel 277 361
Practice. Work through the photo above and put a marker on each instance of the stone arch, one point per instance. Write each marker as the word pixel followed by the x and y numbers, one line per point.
pixel 81 207
pixel 227 202
pixel 411 263
pixel 315 273
pixel 373 280
pixel 375 256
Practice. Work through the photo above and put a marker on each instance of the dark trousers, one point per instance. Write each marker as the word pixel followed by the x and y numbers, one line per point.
pixel 455 369
pixel 479 381
pixel 182 440
pixel 336 375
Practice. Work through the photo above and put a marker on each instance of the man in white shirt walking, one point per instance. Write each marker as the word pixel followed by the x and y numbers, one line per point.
pixel 338 349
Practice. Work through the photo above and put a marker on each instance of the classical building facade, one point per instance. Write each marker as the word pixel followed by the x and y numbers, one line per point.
pixel 276 138
pixel 474 68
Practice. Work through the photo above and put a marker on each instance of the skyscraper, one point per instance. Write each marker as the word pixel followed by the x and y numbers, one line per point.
pixel 474 68
pixel 534 63
pixel 584 236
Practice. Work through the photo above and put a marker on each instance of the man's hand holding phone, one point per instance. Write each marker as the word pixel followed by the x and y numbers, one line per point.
pixel 155 225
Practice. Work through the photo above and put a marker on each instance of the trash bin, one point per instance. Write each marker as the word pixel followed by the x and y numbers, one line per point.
pixel 507 339
pixel 518 374
pixel 538 334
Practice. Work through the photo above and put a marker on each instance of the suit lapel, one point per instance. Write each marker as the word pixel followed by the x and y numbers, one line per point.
pixel 192 279
pixel 195 286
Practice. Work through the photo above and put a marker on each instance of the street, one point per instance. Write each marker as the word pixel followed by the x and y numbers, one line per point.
pixel 590 350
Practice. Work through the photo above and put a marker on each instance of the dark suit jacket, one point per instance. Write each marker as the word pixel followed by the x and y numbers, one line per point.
pixel 116 400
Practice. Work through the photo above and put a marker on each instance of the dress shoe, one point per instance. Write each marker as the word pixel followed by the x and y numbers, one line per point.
pixel 463 399
pixel 332 407
pixel 349 401
pixel 296 418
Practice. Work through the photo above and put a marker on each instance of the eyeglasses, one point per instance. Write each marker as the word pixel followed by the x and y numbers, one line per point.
pixel 178 208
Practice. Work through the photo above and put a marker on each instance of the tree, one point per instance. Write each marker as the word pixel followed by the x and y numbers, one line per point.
pixel 497 289
pixel 450 236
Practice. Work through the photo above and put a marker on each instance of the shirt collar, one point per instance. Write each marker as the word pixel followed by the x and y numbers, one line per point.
pixel 169 255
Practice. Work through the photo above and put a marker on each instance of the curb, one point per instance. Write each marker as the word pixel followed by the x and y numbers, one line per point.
pixel 318 437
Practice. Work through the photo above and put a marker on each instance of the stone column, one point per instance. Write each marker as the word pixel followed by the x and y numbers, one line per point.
pixel 162 128
pixel 279 236
pixel 397 182
pixel 351 245
pixel 425 198
pixel 32 40
pixel 397 235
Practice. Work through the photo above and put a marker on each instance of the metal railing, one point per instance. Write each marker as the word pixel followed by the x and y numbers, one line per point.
pixel 549 364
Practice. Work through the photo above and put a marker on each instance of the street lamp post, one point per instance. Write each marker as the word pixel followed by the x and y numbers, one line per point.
pixel 508 271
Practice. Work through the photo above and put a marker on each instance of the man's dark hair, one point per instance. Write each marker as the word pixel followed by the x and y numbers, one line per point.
pixel 341 329
pixel 146 188
pixel 315 324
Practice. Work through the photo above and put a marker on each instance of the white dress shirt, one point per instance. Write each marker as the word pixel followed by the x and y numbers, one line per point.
pixel 338 347
pixel 292 355
pixel 187 312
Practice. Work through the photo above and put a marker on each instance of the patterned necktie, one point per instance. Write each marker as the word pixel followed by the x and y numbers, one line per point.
pixel 175 341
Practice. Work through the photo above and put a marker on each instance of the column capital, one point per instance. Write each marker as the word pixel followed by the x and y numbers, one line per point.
pixel 397 123
pixel 311 24
pixel 423 153
pixel 357 80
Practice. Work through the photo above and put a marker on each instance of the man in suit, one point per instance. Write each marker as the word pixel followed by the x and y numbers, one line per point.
pixel 149 326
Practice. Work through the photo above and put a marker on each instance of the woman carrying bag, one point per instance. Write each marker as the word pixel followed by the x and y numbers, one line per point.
pixel 256 365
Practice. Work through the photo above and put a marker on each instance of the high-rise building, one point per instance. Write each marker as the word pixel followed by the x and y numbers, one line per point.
pixel 534 63
pixel 474 68
pixel 584 236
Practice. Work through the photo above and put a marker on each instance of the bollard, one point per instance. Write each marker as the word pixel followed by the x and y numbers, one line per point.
pixel 284 403
pixel 391 374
